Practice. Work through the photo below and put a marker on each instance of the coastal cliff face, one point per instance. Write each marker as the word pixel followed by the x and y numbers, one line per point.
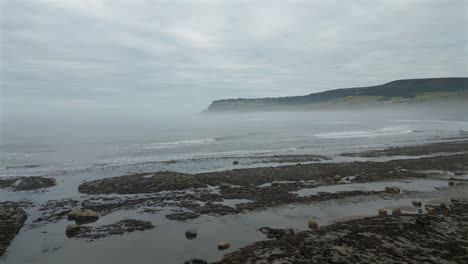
pixel 411 91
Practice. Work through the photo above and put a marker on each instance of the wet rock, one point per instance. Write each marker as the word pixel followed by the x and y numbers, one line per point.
pixel 83 216
pixel 451 183
pixel 118 228
pixel 392 189
pixel 396 212
pixel 235 162
pixel 458 173
pixel 12 218
pixel 337 178
pixel 275 183
pixel 289 231
pixel 191 233
pixel 312 224
pixel 431 211
pixel 225 186
pixel 215 209
pixel 26 183
pixel 417 203
pixel 196 261
pixel 223 245
pixel 277 232
pixel 182 216
pixel 420 210
pixel 383 212
pixel 72 230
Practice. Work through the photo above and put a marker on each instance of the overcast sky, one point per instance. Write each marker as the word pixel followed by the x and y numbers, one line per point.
pixel 156 56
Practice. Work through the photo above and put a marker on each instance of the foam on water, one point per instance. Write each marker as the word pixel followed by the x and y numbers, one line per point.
pixel 385 131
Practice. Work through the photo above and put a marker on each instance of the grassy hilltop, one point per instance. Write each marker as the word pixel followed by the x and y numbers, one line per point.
pixel 396 92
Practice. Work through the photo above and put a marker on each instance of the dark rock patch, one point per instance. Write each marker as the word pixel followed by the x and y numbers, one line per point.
pixel 26 183
pixel 182 216
pixel 12 218
pixel 119 228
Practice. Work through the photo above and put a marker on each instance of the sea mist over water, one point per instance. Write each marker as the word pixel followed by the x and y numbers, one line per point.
pixel 60 144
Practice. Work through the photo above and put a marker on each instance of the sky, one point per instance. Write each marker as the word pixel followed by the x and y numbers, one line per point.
pixel 144 57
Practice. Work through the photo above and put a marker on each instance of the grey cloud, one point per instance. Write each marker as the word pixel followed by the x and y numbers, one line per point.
pixel 167 54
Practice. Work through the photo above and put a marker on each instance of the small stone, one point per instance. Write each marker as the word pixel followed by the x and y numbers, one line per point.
pixel 225 186
pixel 396 212
pixel 83 216
pixel 337 178
pixel 72 230
pixel 458 173
pixel 191 233
pixel 420 210
pixel 451 183
pixel 235 162
pixel 313 224
pixel 289 231
pixel 431 211
pixel 417 203
pixel 223 245
pixel 392 189
pixel 383 212
pixel 275 183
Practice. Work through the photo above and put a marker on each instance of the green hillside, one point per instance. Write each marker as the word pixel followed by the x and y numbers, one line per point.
pixel 395 92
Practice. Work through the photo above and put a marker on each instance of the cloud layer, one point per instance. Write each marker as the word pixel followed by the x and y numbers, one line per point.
pixel 156 55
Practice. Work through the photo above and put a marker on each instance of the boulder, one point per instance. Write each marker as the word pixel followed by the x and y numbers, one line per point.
pixel 235 162
pixel 392 189
pixel 275 183
pixel 191 233
pixel 396 212
pixel 289 231
pixel 83 216
pixel 72 230
pixel 383 212
pixel 223 245
pixel 337 178
pixel 458 173
pixel 451 183
pixel 313 224
pixel 417 203
pixel 431 211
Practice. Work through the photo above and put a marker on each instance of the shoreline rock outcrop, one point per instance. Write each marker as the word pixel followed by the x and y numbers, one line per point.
pixel 12 218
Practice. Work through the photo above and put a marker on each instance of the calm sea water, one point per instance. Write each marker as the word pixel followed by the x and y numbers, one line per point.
pixel 61 147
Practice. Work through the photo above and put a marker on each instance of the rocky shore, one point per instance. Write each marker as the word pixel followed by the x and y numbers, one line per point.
pixel 440 237
pixel 183 196
pixel 259 188
pixel 12 219
pixel 26 183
